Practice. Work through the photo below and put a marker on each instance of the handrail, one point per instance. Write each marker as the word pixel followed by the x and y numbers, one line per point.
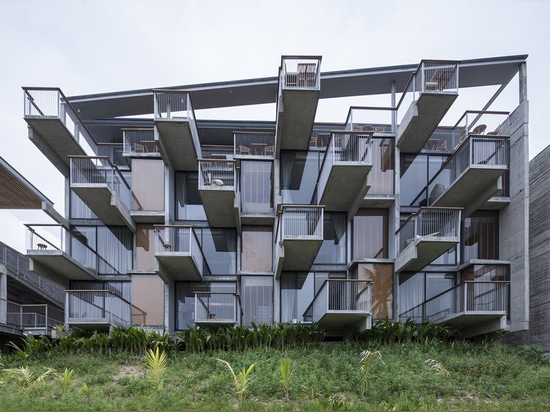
pixel 115 167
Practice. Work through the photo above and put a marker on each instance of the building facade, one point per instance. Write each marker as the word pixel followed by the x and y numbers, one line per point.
pixel 412 209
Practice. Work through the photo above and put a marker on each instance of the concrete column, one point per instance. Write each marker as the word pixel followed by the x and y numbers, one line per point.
pixel 3 294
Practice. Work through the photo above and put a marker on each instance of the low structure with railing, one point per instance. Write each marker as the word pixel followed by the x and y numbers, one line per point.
pixel 38 319
pixel 371 119
pixel 470 298
pixel 217 174
pixel 300 222
pixel 139 142
pixel 96 309
pixel 217 308
pixel 254 144
pixel 299 72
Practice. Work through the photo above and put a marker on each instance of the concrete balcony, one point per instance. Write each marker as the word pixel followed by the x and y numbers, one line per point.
pixel 55 127
pixel 473 307
pixel 342 183
pixel 217 188
pixel 426 235
pixel 299 89
pixel 59 254
pixel 299 236
pixel 99 310
pixel 23 319
pixel 431 91
pixel 139 143
pixel 177 136
pixel 179 254
pixel 342 304
pixel 472 175
pixel 100 184
pixel 253 144
pixel 217 308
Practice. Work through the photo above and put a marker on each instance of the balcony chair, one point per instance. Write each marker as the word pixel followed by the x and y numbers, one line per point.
pixel 269 150
pixel 244 150
pixel 139 148
pixel 479 129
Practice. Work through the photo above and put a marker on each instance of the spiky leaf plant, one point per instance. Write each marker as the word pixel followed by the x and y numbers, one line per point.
pixel 156 365
pixel 240 380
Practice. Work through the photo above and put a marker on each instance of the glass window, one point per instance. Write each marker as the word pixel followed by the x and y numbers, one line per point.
pixel 114 247
pixel 147 184
pixel 381 276
pixel 299 171
pixel 297 291
pixel 256 187
pixel 219 247
pixel 333 248
pixel 145 247
pixel 480 236
pixel 257 299
pixel 257 249
pixel 370 234
pixel 79 209
pixel 188 200
pixel 381 177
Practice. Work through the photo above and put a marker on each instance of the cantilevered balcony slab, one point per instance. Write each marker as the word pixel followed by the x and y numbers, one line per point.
pixel 217 186
pixel 176 135
pixel 342 183
pixel 60 266
pixel 421 119
pixel 426 235
pixel 216 309
pixel 422 250
pixel 178 253
pixel 55 128
pixel 299 89
pixel 342 305
pixel 299 237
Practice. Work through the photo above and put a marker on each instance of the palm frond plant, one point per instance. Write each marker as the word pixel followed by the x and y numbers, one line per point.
pixel 286 375
pixel 368 359
pixel 27 380
pixel 65 380
pixel 240 380
pixel 156 365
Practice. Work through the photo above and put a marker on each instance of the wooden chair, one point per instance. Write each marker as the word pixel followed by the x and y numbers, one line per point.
pixel 244 150
pixel 269 150
pixel 139 148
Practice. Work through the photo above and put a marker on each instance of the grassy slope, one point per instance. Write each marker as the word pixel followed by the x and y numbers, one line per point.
pixel 466 377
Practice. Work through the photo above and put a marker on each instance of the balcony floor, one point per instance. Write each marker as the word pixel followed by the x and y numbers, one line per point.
pixel 178 266
pixel 295 121
pixel 334 320
pixel 422 251
pixel 62 267
pixel 346 185
pixel 176 144
pixel 220 206
pixel 297 254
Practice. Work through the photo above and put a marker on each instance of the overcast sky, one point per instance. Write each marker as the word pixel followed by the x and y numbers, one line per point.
pixel 93 46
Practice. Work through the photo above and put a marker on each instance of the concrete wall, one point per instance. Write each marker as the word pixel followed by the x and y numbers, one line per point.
pixel 539 242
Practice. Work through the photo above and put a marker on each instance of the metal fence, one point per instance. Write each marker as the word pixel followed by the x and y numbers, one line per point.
pixel 430 223
pixel 97 306
pixel 217 174
pixel 30 317
pixel 254 144
pixel 139 141
pixel 217 307
pixel 300 222
pixel 371 119
pixel 300 72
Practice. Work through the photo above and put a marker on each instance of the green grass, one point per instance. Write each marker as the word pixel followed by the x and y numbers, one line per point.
pixel 409 377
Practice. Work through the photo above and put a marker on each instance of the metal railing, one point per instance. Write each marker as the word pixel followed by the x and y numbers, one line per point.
pixel 477 151
pixel 17 266
pixel 254 144
pixel 217 174
pixel 467 297
pixel 139 141
pixel 93 170
pixel 371 119
pixel 431 76
pixel 139 316
pixel 175 239
pixel 44 237
pixel 481 122
pixel 340 295
pixel 30 316
pixel 97 306
pixel 430 223
pixel 300 222
pixel 51 102
pixel 217 307
pixel 300 72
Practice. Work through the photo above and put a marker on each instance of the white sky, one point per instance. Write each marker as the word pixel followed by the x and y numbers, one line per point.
pixel 94 46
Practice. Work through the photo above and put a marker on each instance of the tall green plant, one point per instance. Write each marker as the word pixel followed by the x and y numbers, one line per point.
pixel 156 365
pixel 27 380
pixel 368 359
pixel 65 380
pixel 240 380
pixel 286 375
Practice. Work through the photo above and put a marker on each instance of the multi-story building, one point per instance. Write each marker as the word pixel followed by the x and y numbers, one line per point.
pixel 29 302
pixel 416 208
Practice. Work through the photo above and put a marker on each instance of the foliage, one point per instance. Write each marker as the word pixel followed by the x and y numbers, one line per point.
pixel 156 365
pixel 240 380
pixel 368 359
pixel 286 375
pixel 65 380
pixel 27 380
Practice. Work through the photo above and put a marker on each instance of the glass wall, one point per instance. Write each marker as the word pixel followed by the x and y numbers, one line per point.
pixel 185 299
pixel 381 276
pixel 333 248
pixel 79 209
pixel 257 249
pixel 416 172
pixel 370 234
pixel 219 247
pixel 147 184
pixel 257 299
pixel 188 200
pixel 256 187
pixel 298 175
pixel 480 236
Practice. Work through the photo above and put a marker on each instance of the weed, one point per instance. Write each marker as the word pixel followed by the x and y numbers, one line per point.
pixel 65 380
pixel 156 364
pixel 368 359
pixel 286 375
pixel 241 380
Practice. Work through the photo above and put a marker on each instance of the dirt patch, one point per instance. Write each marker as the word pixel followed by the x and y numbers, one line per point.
pixel 130 371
